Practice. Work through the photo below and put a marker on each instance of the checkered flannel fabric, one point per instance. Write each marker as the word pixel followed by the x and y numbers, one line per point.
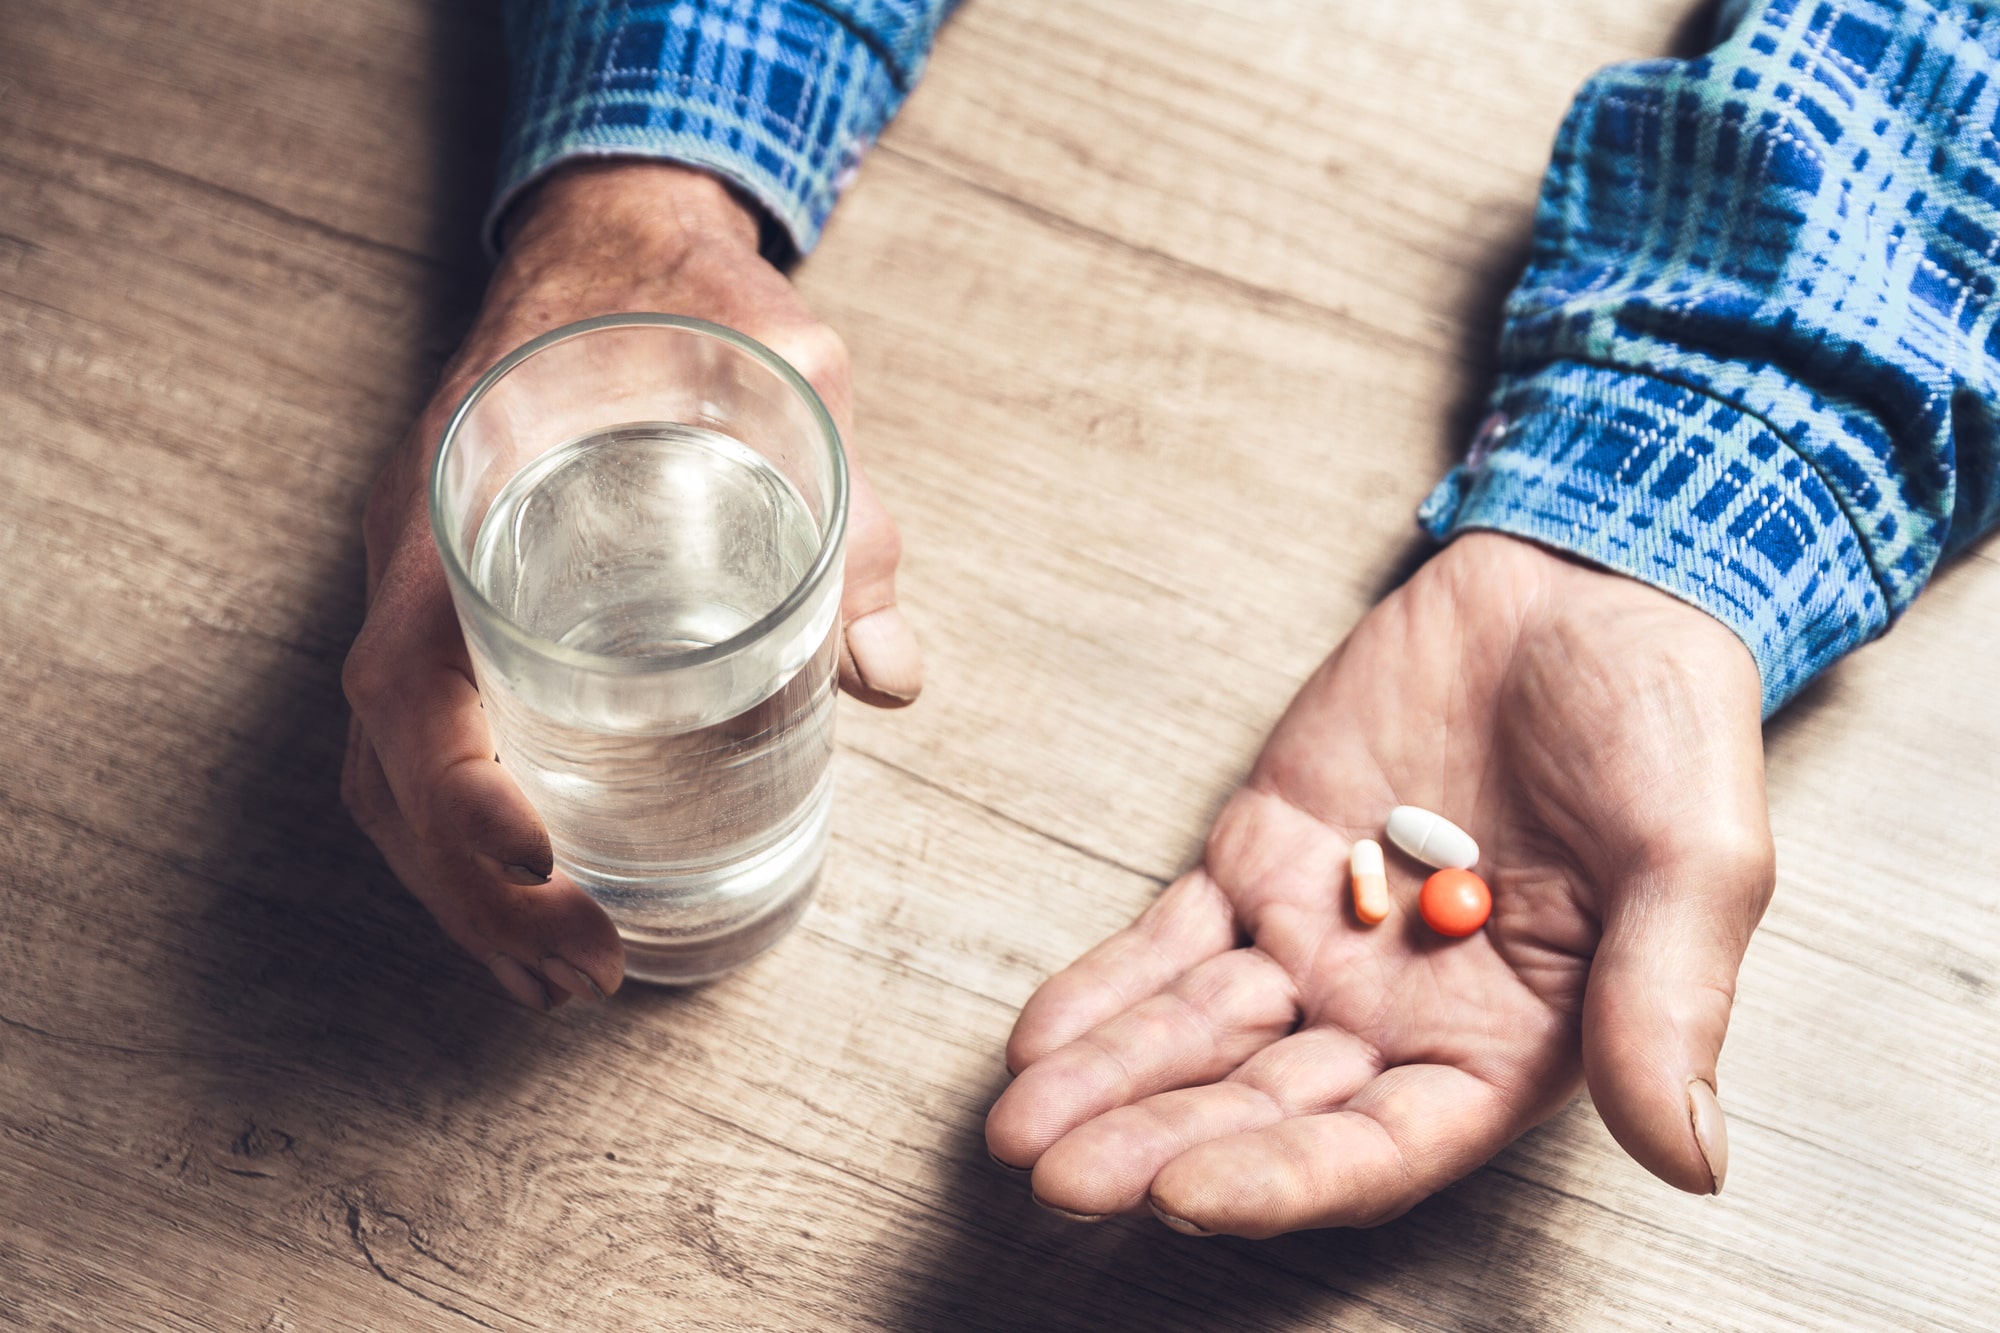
pixel 781 97
pixel 1755 360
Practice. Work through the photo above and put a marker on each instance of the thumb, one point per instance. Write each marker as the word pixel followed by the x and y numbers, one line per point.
pixel 880 662
pixel 1657 1008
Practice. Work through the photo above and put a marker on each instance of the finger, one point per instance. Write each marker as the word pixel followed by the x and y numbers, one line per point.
pixel 1190 922
pixel 543 943
pixel 1199 1029
pixel 1107 1165
pixel 880 662
pixel 1656 1011
pixel 410 683
pixel 1412 1131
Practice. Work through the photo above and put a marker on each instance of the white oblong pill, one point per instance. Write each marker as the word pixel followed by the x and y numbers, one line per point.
pixel 1432 839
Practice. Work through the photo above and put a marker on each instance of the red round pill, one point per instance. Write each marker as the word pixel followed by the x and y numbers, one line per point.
pixel 1455 903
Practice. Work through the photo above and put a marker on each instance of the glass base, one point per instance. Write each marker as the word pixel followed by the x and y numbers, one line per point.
pixel 694 926
pixel 689 962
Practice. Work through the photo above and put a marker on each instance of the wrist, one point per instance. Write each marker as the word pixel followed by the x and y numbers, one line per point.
pixel 627 206
pixel 1601 624
pixel 1691 491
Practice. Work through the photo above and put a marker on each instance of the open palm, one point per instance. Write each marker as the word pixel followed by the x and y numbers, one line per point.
pixel 1249 1058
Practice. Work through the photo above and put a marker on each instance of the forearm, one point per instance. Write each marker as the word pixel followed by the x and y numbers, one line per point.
pixel 1750 360
pixel 779 97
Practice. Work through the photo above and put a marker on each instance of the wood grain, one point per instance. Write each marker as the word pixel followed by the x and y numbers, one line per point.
pixel 1165 313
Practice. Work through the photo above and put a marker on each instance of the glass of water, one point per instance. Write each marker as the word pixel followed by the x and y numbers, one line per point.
pixel 642 518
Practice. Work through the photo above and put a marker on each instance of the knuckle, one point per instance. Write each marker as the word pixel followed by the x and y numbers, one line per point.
pixel 818 353
pixel 1722 987
pixel 1386 1214
pixel 364 678
pixel 887 543
pixel 450 803
pixel 490 913
pixel 1743 857
pixel 518 918
pixel 1717 857
pixel 473 802
pixel 877 551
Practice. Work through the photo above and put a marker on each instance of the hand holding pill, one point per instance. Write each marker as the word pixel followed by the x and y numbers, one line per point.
pixel 1254 1055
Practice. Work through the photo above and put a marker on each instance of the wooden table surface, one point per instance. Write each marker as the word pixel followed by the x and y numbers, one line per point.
pixel 1165 313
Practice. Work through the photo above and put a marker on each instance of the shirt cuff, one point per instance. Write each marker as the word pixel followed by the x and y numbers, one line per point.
pixel 1680 490
pixel 777 97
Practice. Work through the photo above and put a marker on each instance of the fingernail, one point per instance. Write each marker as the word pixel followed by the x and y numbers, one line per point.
pixel 1180 1224
pixel 519 982
pixel 885 655
pixel 1010 1167
pixel 1074 1217
pixel 573 979
pixel 1711 1130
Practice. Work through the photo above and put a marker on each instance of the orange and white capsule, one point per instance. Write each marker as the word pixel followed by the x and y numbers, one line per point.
pixel 1432 839
pixel 1371 881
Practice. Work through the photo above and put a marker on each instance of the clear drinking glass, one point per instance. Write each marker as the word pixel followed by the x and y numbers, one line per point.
pixel 642 518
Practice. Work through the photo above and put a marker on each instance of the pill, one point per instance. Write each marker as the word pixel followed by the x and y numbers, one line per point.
pixel 1432 839
pixel 1455 903
pixel 1371 881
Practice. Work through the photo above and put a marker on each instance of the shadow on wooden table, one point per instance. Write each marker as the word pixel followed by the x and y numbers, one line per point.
pixel 328 1008
pixel 1010 1265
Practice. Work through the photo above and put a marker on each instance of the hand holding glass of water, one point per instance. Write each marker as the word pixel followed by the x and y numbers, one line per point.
pixel 641 518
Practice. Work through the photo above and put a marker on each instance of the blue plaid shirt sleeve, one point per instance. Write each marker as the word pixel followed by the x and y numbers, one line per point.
pixel 1755 359
pixel 779 97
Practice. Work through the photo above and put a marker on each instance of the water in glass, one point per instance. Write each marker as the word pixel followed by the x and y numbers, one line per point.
pixel 654 540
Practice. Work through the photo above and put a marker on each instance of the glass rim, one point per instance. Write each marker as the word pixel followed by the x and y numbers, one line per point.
pixel 808 584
